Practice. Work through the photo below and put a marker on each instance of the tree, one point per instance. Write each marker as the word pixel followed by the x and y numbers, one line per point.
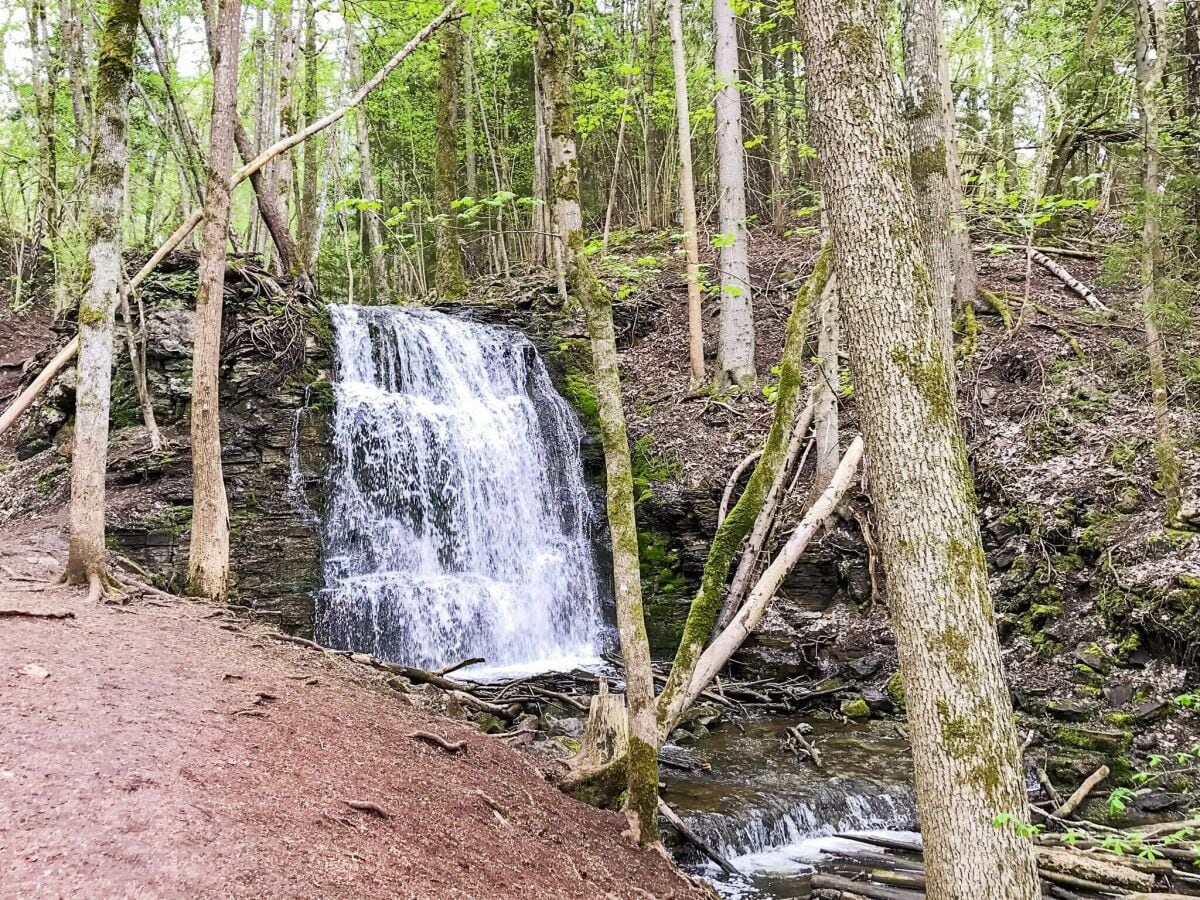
pixel 934 159
pixel 380 290
pixel 87 554
pixel 1150 19
pixel 687 195
pixel 208 557
pixel 968 769
pixel 554 52
pixel 450 280
pixel 735 357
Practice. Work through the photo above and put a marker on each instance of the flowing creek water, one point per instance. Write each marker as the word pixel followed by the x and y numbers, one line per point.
pixel 459 525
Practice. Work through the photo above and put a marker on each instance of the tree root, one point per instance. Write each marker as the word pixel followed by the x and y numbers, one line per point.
pixel 438 741
pixel 368 807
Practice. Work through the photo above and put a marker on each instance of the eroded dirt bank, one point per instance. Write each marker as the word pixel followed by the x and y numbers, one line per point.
pixel 169 750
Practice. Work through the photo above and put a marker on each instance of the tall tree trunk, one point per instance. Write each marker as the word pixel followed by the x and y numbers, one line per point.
pixel 284 167
pixel 554 50
pixel 87 554
pixel 936 183
pixel 449 279
pixel 1191 102
pixel 968 768
pixel 687 195
pixel 651 135
pixel 1151 25
pixel 43 81
pixel 366 175
pixel 71 35
pixel 826 392
pixel 735 357
pixel 193 157
pixel 311 190
pixel 541 250
pixel 208 559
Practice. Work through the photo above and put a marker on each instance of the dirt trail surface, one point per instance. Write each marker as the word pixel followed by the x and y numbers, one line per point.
pixel 171 751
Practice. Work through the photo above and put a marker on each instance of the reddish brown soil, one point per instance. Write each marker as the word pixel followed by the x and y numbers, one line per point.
pixel 143 766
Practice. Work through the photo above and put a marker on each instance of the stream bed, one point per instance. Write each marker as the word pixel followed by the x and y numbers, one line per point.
pixel 770 812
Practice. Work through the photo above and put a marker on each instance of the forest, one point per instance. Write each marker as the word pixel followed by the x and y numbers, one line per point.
pixel 743 448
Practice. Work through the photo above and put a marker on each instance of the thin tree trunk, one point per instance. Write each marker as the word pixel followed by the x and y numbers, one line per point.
pixel 931 135
pixel 449 279
pixel 208 559
pixel 87 555
pixel 469 117
pixel 735 357
pixel 194 158
pixel 71 32
pixel 311 189
pixel 540 254
pixel 554 49
pixel 828 387
pixel 288 58
pixel 43 82
pixel 1151 24
pixel 968 768
pixel 366 174
pixel 687 196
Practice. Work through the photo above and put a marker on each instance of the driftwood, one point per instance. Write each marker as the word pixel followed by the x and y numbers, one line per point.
pixel 68 351
pixel 293 639
pixel 1081 793
pixel 700 844
pixel 862 888
pixel 1090 867
pixel 475 660
pixel 1068 279
pixel 438 741
pixel 30 614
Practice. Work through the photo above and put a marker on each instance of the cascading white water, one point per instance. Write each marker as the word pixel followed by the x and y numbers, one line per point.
pixel 459 523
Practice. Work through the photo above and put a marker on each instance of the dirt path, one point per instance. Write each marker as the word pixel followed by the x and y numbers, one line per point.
pixel 146 763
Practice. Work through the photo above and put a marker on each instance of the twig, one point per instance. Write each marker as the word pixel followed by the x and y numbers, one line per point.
pixel 293 639
pixel 1082 792
pixel 460 665
pixel 703 846
pixel 438 741
pixel 368 807
pixel 732 483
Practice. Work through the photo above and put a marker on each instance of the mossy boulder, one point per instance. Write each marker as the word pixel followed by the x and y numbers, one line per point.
pixel 855 708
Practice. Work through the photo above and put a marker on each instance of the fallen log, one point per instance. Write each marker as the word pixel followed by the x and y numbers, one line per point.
pixel 1068 279
pixel 862 888
pixel 881 840
pixel 30 614
pixel 1081 793
pixel 1091 868
pixel 702 845
pixel 67 353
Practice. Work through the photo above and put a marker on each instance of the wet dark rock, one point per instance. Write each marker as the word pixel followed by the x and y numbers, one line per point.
pixel 1119 694
pixel 865 666
pixel 1152 711
pixel 877 700
pixel 1069 710
pixel 1159 801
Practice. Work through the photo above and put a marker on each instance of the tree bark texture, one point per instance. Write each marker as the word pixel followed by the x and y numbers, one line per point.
pixel 554 50
pixel 208 559
pixel 735 357
pixel 687 195
pixel 449 279
pixel 87 554
pixel 827 390
pixel 1151 25
pixel 966 761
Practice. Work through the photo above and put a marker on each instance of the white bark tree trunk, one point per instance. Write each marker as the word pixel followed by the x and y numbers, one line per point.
pixel 735 358
pixel 968 769
pixel 87 554
pixel 827 390
pixel 687 195
pixel 208 558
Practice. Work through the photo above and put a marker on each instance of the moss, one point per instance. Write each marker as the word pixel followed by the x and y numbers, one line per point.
pixel 578 391
pixel 926 162
pixel 855 709
pixel 999 305
pixel 1120 720
pixel 1094 739
pixel 952 642
pixel 926 369
pixel 967 328
pixel 92 316
pixel 894 688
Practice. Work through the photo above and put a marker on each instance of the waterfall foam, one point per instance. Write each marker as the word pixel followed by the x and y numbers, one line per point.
pixel 459 523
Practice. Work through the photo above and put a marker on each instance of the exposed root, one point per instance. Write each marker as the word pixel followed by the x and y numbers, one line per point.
pixel 438 741
pixel 95 587
pixel 368 807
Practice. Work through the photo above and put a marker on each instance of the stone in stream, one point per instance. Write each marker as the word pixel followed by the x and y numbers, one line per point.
pixel 855 708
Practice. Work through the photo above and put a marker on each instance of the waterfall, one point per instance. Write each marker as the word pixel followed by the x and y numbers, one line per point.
pixel 459 525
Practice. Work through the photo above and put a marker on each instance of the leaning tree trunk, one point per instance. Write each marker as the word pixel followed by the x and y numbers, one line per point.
pixel 934 161
pixel 735 358
pixel 449 279
pixel 968 768
pixel 554 58
pixel 826 391
pixel 1151 23
pixel 208 559
pixel 687 195
pixel 87 553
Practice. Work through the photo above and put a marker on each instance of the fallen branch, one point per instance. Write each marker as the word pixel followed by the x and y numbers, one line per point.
pixel 493 804
pixel 67 353
pixel 741 467
pixel 1081 793
pixel 368 807
pixel 1068 279
pixel 438 741
pixel 862 888
pixel 700 844
pixel 475 660
pixel 1053 861
pixel 30 614
pixel 293 639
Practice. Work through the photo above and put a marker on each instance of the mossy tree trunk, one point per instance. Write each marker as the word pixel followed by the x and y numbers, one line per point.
pixel 687 195
pixel 208 559
pixel 735 357
pixel 87 554
pixel 554 51
pixel 450 281
pixel 968 769
pixel 707 604
pixel 934 160
pixel 1151 23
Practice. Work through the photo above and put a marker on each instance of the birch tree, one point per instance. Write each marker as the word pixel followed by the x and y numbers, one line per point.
pixel 87 554
pixel 968 769
pixel 735 357
pixel 687 195
pixel 208 558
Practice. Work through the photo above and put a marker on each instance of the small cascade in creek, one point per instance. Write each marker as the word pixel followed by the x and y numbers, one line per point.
pixel 459 524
